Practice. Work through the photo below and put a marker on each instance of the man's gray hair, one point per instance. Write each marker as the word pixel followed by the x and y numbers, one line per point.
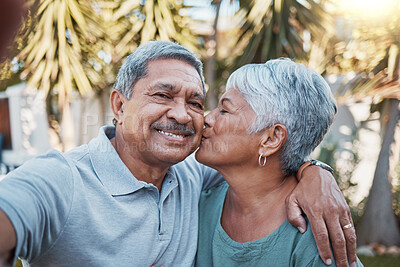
pixel 285 92
pixel 135 65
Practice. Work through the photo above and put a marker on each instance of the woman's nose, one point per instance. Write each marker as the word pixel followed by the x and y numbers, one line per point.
pixel 209 119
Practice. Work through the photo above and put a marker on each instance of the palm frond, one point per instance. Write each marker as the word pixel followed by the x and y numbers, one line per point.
pixel 281 24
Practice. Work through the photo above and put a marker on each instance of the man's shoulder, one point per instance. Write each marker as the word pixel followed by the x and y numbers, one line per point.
pixel 50 166
pixel 51 160
pixel 77 153
pixel 189 165
pixel 189 161
pixel 63 160
pixel 203 174
pixel 213 197
pixel 215 190
pixel 188 171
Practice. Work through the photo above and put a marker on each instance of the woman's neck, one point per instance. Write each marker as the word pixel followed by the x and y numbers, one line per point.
pixel 255 202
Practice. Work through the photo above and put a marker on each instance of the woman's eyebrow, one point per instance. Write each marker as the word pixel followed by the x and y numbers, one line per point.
pixel 226 100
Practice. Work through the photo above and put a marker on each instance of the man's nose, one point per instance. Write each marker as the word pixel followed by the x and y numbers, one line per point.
pixel 179 113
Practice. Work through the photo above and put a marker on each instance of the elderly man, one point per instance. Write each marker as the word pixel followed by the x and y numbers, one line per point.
pixel 130 196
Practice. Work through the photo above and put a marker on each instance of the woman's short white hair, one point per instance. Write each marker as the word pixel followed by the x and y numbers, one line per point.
pixel 289 93
pixel 135 65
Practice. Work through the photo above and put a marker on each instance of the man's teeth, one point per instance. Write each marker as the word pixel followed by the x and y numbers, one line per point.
pixel 171 134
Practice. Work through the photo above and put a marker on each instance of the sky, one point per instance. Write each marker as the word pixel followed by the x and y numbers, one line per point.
pixel 204 10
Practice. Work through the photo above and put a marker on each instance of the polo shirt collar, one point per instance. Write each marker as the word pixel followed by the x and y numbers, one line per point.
pixel 109 167
pixel 112 171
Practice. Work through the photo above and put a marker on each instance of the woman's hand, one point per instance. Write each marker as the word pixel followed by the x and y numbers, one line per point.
pixel 320 198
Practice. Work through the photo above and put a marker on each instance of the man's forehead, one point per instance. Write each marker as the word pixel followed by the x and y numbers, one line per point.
pixel 179 66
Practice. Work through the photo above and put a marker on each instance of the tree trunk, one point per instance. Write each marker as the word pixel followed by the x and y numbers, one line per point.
pixel 210 66
pixel 379 224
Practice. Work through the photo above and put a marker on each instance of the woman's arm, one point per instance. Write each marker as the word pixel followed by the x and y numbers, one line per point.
pixel 319 197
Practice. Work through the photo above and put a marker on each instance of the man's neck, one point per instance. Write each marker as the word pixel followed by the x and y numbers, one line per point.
pixel 143 171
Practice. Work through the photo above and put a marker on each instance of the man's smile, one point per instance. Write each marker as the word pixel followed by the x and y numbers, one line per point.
pixel 174 132
pixel 171 134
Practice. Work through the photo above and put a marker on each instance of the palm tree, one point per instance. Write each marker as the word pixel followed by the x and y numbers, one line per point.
pixel 132 22
pixel 129 23
pixel 69 46
pixel 210 60
pixel 378 77
pixel 379 223
pixel 57 43
pixel 275 28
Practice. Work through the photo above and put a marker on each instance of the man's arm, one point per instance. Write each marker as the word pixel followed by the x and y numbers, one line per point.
pixel 8 240
pixel 35 201
pixel 320 198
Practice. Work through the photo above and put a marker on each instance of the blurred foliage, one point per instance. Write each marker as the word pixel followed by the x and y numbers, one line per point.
pixel 344 162
pixel 371 55
pixel 56 45
pixel 132 22
pixel 78 45
pixel 69 45
pixel 271 29
pixel 379 261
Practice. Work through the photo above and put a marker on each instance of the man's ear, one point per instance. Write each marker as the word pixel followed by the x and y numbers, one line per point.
pixel 273 139
pixel 117 100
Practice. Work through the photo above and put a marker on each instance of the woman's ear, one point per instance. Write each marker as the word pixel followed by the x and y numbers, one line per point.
pixel 117 100
pixel 273 139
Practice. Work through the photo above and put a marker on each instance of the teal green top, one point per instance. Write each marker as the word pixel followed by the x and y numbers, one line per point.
pixel 286 246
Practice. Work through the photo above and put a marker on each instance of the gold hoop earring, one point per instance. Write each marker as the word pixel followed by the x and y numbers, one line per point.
pixel 259 160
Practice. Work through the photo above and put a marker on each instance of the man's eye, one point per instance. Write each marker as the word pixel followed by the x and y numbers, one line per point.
pixel 197 105
pixel 162 95
pixel 222 111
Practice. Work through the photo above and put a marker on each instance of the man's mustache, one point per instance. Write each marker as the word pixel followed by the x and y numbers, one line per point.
pixel 181 128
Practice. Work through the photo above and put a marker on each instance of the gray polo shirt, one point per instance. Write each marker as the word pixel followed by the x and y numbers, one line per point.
pixel 85 208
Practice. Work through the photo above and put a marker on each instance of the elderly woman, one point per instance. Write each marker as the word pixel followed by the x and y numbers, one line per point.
pixel 269 120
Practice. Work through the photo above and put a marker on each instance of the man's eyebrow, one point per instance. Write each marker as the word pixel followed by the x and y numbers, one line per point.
pixel 164 86
pixel 199 96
